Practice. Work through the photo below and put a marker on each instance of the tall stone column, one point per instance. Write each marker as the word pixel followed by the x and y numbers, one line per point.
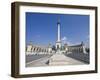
pixel 58 43
pixel 58 24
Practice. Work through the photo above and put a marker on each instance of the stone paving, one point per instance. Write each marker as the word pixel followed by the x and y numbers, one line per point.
pixel 56 59
pixel 61 59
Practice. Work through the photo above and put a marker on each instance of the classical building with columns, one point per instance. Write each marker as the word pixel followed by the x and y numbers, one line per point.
pixel 59 48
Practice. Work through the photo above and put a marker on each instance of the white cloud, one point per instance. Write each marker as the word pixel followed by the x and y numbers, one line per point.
pixel 64 38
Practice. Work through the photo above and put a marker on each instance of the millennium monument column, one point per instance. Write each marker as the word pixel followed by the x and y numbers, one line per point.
pixel 58 58
pixel 58 42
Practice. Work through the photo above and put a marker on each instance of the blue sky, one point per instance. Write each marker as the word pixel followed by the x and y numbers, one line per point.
pixel 41 28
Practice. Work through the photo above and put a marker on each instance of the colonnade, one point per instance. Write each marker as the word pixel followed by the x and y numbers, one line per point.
pixel 33 49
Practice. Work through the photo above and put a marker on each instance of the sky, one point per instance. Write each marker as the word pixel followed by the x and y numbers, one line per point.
pixel 41 28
